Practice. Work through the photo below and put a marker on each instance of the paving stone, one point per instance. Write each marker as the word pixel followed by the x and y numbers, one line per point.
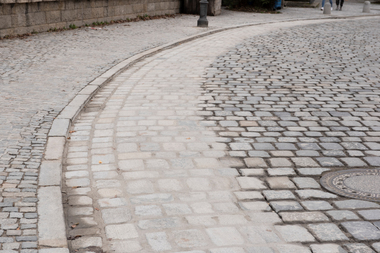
pixel 159 223
pixel 280 183
pixel 280 171
pixel 342 215
pixel 279 206
pixel 294 233
pixel 255 206
pixel 362 230
pixel 376 246
pixel 304 162
pixel 312 171
pixel 303 216
pixel 358 247
pixel 327 248
pixel 250 183
pixel 255 162
pixel 316 205
pixel 84 242
pixel 116 215
pixel 281 194
pixel 329 161
pixel 158 241
pixel 327 232
pixel 306 182
pixel 370 214
pixel 121 231
pixel 307 194
pixel 355 204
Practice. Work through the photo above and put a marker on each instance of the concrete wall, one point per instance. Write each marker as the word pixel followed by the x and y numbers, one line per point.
pixel 25 16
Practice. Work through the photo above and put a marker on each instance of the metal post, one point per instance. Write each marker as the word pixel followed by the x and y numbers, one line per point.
pixel 202 21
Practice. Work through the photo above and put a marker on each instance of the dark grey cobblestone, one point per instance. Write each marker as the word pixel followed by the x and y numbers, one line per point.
pixel 310 109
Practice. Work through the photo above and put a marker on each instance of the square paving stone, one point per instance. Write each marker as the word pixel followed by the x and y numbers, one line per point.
pixel 362 230
pixel 307 194
pixel 353 162
pixel 358 248
pixel 329 161
pixel 279 206
pixel 158 241
pixel 255 162
pixel 250 183
pixel 327 232
pixel 304 162
pixel 280 162
pixel 224 236
pixel 342 215
pixel 376 246
pixel 355 204
pixel 280 171
pixel 373 161
pixel 255 206
pixel 312 171
pixel 294 233
pixel 306 182
pixel 303 217
pixel 263 146
pixel 280 183
pixel 121 231
pixel 258 153
pixel 316 205
pixel 116 215
pixel 370 214
pixel 282 194
pixel 327 248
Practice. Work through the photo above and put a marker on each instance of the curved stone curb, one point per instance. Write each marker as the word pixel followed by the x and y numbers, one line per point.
pixel 51 223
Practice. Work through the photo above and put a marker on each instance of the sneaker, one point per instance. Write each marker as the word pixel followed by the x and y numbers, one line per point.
pixel 322 9
pixel 331 8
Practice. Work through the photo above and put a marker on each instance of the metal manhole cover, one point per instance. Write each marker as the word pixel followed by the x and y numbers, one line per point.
pixel 359 184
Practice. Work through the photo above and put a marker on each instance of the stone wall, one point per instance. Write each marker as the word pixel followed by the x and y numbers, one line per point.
pixel 25 16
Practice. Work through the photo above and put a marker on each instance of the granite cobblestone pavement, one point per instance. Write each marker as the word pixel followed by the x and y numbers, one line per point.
pixel 39 75
pixel 218 145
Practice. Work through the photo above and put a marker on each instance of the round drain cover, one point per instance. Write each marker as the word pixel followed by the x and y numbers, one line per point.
pixel 360 184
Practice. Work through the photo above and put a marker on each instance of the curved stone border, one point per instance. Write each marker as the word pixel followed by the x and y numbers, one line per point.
pixel 51 223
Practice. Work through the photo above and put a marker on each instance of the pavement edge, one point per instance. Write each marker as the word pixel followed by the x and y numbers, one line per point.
pixel 53 238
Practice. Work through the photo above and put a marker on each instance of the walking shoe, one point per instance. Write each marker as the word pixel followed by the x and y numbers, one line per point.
pixel 331 8
pixel 321 8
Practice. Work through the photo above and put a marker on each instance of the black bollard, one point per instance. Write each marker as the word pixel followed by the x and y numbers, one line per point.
pixel 202 21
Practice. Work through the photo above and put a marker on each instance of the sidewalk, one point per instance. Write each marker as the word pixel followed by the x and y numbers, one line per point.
pixel 59 65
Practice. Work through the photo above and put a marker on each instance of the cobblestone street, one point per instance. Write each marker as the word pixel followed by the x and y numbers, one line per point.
pixel 218 145
pixel 213 145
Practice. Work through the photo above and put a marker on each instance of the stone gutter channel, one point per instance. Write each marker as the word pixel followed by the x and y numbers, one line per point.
pixel 52 236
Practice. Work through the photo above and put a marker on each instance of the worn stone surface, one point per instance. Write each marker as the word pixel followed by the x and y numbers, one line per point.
pixel 170 131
